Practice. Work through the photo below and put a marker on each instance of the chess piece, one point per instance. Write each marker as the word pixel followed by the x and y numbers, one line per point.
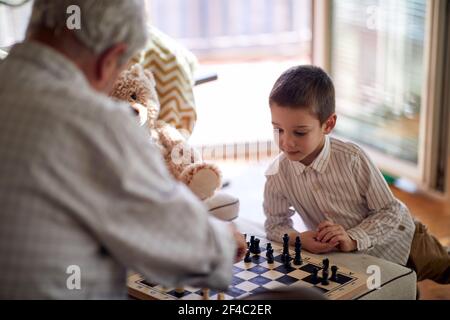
pixel 252 244
pixel 179 292
pixel 268 246
pixel 298 252
pixel 247 258
pixel 315 277
pixel 326 264
pixel 268 249
pixel 256 248
pixel 269 256
pixel 285 244
pixel 285 247
pixel 298 259
pixel 287 260
pixel 325 281
pixel 334 275
pixel 205 293
pixel 286 257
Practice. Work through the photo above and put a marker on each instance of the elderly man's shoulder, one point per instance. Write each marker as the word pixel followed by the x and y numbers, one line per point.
pixel 98 105
pixel 89 106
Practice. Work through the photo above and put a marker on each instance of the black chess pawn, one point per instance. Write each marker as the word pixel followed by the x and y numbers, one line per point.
pixel 326 264
pixel 247 256
pixel 286 257
pixel 315 275
pixel 179 292
pixel 287 260
pixel 268 249
pixel 256 248
pixel 269 256
pixel 298 252
pixel 298 261
pixel 325 277
pixel 298 242
pixel 334 275
pixel 252 244
pixel 285 244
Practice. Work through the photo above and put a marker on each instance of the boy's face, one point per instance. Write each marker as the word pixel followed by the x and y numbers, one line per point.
pixel 300 134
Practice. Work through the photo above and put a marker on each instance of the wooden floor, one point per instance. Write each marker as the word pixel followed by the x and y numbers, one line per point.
pixel 433 213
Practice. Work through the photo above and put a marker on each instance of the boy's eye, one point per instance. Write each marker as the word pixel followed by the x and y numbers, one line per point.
pixel 300 134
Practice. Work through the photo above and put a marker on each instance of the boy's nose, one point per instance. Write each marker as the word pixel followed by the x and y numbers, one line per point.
pixel 289 143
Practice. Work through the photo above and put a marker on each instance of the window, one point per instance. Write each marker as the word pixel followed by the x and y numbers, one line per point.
pixel 378 68
pixel 248 43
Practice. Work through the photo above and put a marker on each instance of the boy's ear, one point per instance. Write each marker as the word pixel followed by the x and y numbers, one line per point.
pixel 329 124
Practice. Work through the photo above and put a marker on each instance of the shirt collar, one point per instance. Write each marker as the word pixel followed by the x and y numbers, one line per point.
pixel 50 60
pixel 319 164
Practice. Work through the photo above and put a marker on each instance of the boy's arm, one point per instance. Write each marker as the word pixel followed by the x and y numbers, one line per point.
pixel 277 211
pixel 386 212
pixel 279 222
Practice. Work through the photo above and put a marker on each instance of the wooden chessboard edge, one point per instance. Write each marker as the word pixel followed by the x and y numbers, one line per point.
pixel 139 295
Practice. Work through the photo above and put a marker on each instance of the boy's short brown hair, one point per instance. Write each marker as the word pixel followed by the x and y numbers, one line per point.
pixel 305 87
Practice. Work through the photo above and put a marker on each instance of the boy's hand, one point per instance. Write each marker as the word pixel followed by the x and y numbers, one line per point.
pixel 310 243
pixel 334 233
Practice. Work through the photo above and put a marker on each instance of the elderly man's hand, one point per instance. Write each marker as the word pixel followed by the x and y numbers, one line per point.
pixel 241 245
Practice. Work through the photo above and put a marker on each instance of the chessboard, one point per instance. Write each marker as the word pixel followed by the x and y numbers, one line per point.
pixel 266 266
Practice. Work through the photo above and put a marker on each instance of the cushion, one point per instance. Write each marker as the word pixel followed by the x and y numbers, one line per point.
pixel 173 67
pixel 3 54
pixel 223 206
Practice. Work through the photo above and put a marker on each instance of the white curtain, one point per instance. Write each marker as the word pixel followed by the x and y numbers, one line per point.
pixel 13 23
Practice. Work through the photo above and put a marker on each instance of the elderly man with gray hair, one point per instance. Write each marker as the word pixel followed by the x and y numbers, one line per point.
pixel 84 195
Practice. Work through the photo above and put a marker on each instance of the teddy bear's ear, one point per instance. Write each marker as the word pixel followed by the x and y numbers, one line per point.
pixel 135 70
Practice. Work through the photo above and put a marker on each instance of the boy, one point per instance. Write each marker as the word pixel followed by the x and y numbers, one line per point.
pixel 334 186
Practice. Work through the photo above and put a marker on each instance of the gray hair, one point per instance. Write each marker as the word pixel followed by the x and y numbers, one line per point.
pixel 104 23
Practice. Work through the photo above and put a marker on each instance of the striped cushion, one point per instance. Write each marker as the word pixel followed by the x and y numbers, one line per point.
pixel 173 67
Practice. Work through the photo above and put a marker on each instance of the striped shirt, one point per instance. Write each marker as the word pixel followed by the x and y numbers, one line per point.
pixel 84 193
pixel 344 186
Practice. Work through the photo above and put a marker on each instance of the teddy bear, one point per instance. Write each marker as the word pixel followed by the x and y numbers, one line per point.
pixel 136 86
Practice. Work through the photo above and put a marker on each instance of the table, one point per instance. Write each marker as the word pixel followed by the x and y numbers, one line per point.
pixel 397 282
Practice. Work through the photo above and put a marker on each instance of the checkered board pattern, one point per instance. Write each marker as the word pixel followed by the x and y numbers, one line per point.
pixel 259 276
